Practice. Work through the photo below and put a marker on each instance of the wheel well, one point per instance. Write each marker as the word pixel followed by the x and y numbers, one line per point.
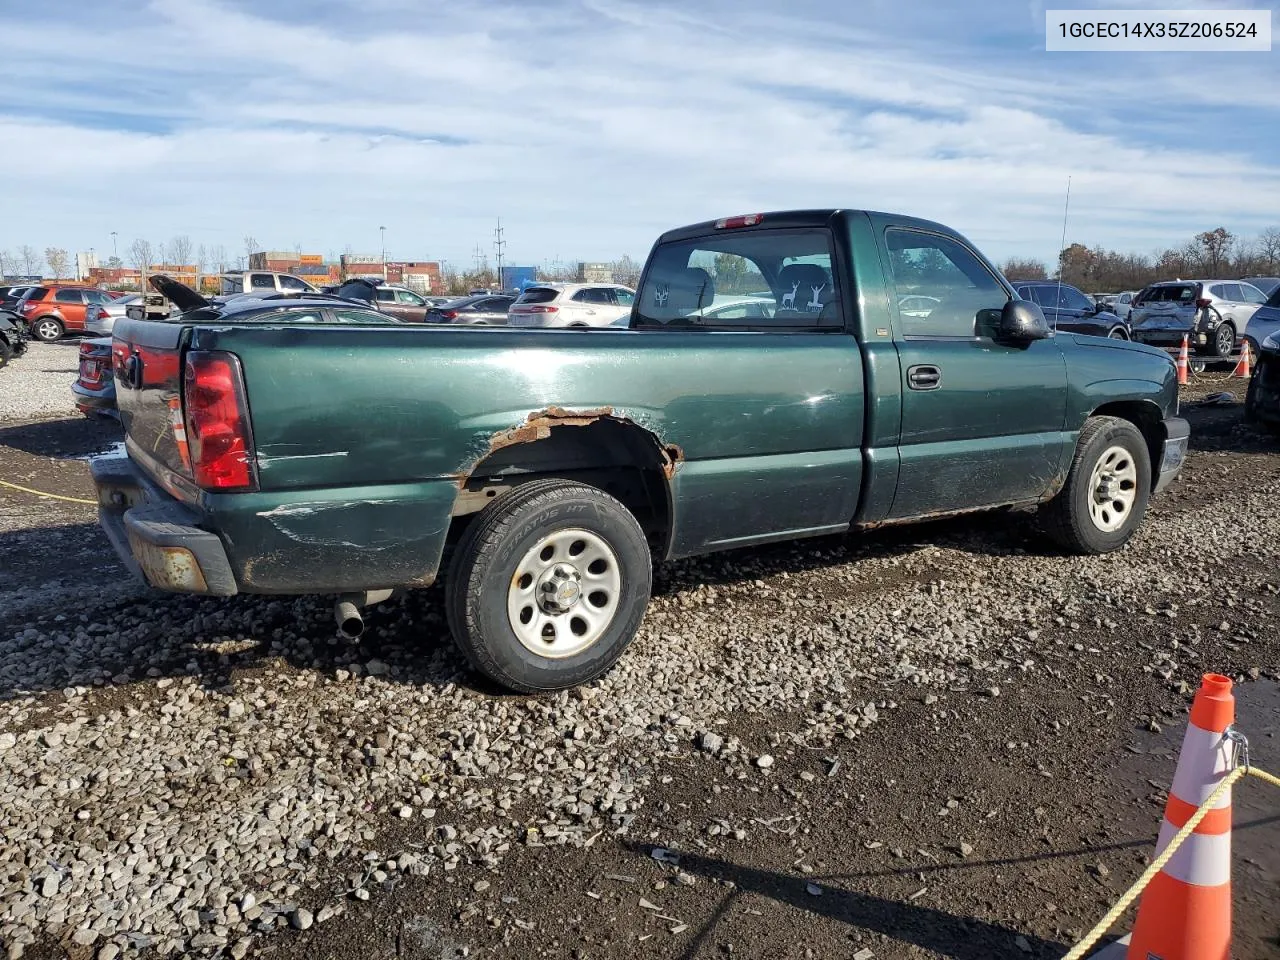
pixel 610 453
pixel 1144 415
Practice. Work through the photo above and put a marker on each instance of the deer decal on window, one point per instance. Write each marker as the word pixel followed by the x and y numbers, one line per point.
pixel 789 299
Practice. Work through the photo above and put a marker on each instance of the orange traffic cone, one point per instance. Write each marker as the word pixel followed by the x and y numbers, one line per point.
pixel 1244 364
pixel 1185 914
pixel 1184 362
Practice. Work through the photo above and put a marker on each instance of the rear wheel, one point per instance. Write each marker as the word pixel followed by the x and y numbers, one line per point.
pixel 1118 333
pixel 1105 497
pixel 47 329
pixel 548 586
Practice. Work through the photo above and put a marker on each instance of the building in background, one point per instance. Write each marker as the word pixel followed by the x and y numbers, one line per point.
pixel 84 263
pixel 595 273
pixel 283 261
pixel 518 278
pixel 115 278
pixel 420 275
pixel 358 265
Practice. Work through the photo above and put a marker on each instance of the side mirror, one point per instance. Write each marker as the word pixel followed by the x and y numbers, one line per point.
pixel 1022 321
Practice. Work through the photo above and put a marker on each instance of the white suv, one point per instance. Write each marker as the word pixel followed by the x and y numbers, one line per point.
pixel 572 305
pixel 236 282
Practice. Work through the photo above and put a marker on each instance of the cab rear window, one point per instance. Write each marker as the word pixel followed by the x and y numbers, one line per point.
pixel 788 272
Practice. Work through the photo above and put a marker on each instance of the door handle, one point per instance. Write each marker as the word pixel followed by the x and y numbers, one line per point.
pixel 924 377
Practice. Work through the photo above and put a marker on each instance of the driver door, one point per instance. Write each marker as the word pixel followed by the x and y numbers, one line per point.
pixel 982 420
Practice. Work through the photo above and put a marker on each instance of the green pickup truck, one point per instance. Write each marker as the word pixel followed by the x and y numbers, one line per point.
pixel 784 375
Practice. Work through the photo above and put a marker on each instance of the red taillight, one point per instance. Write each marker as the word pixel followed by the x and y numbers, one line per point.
pixel 28 306
pixel 750 220
pixel 91 368
pixel 217 422
pixel 538 308
pixel 1203 303
pixel 449 314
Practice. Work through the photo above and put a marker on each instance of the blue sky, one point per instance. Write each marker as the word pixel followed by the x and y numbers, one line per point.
pixel 592 125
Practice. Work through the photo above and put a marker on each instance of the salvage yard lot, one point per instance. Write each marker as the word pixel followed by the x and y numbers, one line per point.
pixel 943 741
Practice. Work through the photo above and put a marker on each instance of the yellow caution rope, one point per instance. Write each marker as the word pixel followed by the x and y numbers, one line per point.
pixel 1094 935
pixel 51 496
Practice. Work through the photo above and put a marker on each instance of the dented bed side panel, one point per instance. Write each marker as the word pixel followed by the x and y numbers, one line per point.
pixel 335 408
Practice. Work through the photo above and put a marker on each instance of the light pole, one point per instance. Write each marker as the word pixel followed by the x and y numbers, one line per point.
pixel 114 252
pixel 383 230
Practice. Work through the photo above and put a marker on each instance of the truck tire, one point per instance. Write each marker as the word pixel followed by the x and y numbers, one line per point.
pixel 548 586
pixel 1105 497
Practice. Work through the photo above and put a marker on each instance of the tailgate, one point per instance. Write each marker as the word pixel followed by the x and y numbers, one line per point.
pixel 146 359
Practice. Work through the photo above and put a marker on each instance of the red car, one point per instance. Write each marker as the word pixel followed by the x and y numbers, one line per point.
pixel 52 311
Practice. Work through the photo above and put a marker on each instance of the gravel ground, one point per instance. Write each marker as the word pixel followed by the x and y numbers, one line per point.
pixel 38 384
pixel 943 741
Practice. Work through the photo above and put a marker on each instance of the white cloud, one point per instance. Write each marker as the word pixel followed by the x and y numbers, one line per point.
pixel 592 127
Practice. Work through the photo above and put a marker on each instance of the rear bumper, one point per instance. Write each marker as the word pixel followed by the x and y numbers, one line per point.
pixel 155 535
pixel 95 401
pixel 1177 434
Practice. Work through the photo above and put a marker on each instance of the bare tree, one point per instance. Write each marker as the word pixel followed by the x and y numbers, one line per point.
pixel 218 258
pixel 179 251
pixel 141 255
pixel 56 257
pixel 625 271
pixel 202 258
pixel 1269 248
pixel 8 264
pixel 30 257
pixel 250 248
pixel 1216 245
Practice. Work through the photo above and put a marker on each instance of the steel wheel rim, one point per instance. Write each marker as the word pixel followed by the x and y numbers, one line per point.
pixel 564 593
pixel 47 330
pixel 1113 489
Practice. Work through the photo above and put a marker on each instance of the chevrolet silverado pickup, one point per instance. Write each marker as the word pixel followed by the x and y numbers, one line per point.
pixel 772 384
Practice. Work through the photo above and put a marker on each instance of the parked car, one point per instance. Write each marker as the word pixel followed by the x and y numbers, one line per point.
pixel 571 305
pixel 1268 285
pixel 555 469
pixel 1262 399
pixel 401 302
pixel 100 318
pixel 1121 304
pixel 1210 313
pixel 1264 323
pixel 54 310
pixel 9 296
pixel 1069 310
pixel 13 338
pixel 236 282
pixel 482 309
pixel 94 391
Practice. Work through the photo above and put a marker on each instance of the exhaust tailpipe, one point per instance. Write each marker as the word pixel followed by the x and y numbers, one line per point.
pixel 350 621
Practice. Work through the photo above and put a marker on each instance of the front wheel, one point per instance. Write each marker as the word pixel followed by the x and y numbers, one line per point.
pixel 548 586
pixel 1117 333
pixel 1105 497
pixel 47 329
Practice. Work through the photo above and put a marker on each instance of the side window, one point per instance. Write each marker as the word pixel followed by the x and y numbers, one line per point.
pixel 1252 294
pixel 582 296
pixel 1073 299
pixel 788 272
pixel 1126 298
pixel 361 316
pixel 624 298
pixel 1029 293
pixel 1233 292
pixel 292 284
pixel 262 281
pixel 931 265
pixel 409 297
pixel 69 296
pixel 384 295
